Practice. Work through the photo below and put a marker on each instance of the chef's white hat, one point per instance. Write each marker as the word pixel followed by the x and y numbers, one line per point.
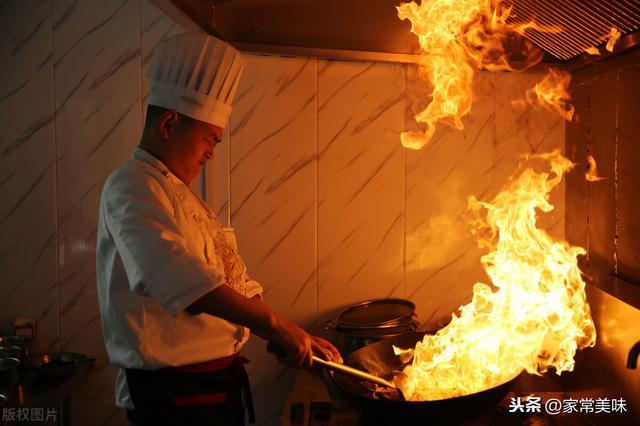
pixel 197 75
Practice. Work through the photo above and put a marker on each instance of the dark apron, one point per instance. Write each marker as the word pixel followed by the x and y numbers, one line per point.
pixel 209 393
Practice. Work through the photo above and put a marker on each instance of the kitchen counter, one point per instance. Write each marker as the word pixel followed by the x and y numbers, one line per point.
pixel 578 399
pixel 565 389
pixel 46 397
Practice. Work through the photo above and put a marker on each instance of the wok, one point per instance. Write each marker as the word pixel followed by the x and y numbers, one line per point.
pixel 379 359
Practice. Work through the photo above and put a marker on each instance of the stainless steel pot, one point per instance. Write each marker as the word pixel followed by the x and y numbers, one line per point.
pixel 376 314
pixel 10 352
pixel 368 322
pixel 9 376
pixel 18 341
pixel 354 340
pixel 56 364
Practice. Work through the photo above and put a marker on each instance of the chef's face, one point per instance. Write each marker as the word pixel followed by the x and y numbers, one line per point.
pixel 192 144
pixel 199 140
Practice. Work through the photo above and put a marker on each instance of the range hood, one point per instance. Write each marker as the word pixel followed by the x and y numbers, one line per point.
pixel 371 30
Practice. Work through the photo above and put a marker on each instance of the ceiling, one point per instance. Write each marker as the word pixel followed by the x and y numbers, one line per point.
pixel 368 29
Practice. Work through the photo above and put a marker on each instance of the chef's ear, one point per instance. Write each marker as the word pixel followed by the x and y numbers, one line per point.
pixel 168 122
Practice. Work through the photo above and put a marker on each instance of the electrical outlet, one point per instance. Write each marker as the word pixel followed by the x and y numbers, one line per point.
pixel 25 327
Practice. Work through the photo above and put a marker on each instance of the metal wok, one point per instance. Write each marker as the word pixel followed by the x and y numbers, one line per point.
pixel 379 359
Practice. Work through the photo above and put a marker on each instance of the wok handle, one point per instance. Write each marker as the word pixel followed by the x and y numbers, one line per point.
pixel 354 372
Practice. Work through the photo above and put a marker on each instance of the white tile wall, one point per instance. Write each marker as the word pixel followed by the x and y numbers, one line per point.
pixel 71 104
pixel 443 260
pixel 360 183
pixel 273 171
pixel 97 79
pixel 28 248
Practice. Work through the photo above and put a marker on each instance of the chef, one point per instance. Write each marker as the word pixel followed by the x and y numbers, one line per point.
pixel 176 301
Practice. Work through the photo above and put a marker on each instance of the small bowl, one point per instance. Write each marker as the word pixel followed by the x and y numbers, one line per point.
pixel 55 365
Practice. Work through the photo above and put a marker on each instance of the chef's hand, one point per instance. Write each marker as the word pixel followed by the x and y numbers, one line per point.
pixel 325 350
pixel 291 344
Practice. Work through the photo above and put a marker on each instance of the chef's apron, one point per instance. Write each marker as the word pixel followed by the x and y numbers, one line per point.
pixel 209 393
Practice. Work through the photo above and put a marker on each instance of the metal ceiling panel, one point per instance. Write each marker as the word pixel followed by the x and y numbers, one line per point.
pixel 371 30
pixel 583 23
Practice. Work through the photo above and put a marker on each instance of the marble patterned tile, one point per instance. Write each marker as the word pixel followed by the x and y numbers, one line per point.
pixel 525 130
pixel 28 252
pixel 97 75
pixel 272 170
pixel 270 381
pixel 360 183
pixel 94 401
pixel 443 259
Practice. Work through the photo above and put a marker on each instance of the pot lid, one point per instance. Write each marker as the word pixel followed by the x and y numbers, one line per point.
pixel 376 313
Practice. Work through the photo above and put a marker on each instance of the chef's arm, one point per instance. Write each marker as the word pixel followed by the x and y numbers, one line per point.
pixel 226 303
pixel 153 251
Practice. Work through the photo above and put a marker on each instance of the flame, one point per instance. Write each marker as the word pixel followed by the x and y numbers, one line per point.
pixel 534 316
pixel 552 94
pixel 457 37
pixel 592 51
pixel 592 172
pixel 612 38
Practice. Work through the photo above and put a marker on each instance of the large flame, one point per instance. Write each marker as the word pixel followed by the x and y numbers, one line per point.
pixel 552 93
pixel 457 37
pixel 534 316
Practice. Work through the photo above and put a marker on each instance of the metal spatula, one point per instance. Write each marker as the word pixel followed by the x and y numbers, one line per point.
pixel 354 372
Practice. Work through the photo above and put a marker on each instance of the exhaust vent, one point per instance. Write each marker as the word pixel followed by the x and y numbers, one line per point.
pixel 584 23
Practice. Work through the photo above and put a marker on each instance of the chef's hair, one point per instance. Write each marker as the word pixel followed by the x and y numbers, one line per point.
pixel 154 113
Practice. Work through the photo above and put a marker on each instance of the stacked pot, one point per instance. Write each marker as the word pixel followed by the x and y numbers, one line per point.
pixel 368 322
pixel 13 352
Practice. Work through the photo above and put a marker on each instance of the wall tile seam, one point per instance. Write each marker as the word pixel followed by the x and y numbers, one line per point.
pixel 228 179
pixel 586 148
pixel 615 179
pixel 404 188
pixel 315 231
pixel 140 39
pixel 55 179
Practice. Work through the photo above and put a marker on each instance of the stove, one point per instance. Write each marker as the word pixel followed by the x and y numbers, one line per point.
pixel 577 398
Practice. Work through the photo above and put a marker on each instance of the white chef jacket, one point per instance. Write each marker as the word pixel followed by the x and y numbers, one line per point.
pixel 159 249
